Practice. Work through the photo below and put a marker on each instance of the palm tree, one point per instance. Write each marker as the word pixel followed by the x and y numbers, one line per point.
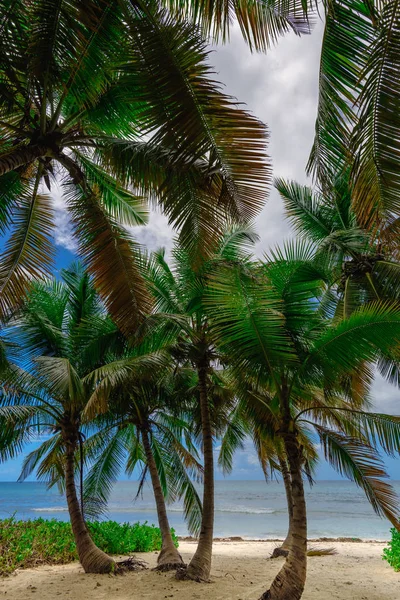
pixel 268 319
pixel 145 424
pixel 253 420
pixel 178 296
pixel 119 103
pixel 63 333
pixel 271 453
pixel 364 261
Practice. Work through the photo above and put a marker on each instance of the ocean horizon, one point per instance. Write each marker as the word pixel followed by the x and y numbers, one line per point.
pixel 249 509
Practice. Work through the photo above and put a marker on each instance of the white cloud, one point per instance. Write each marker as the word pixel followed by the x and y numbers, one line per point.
pixel 386 397
pixel 252 459
pixel 156 234
pixel 63 234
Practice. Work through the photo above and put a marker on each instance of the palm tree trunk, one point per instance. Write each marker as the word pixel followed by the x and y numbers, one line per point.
pixel 21 156
pixel 169 557
pixel 283 550
pixel 288 489
pixel 200 566
pixel 290 581
pixel 92 559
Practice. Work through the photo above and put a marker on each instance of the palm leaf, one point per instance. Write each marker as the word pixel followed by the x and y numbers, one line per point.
pixel 247 319
pixel 28 252
pixel 35 457
pixel 360 463
pixel 41 320
pixel 261 23
pixel 11 189
pixel 364 336
pixel 122 205
pixel 305 211
pixel 60 378
pixel 111 257
pixel 389 368
pixel 90 72
pixel 346 45
pixel 376 139
pixel 185 110
pixel 104 473
pixel 383 430
pixel 135 452
pixel 55 29
pixel 233 440
pixel 192 507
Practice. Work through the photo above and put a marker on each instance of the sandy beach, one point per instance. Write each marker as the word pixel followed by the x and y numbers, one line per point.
pixel 241 571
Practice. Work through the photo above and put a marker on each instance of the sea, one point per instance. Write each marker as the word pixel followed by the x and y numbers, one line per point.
pixel 249 509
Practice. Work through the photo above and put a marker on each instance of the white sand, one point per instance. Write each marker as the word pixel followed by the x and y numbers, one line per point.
pixel 241 571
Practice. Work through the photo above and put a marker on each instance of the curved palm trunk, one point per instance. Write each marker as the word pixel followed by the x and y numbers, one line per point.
pixel 92 559
pixel 283 550
pixel 169 557
pixel 288 489
pixel 200 566
pixel 22 156
pixel 290 581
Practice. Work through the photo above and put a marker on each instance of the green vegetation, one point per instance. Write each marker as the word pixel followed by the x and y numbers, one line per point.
pixel 133 363
pixel 123 538
pixel 26 544
pixel 65 331
pixel 392 552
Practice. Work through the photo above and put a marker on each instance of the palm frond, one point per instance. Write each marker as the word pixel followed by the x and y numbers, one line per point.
pixel 11 190
pixel 55 30
pixel 60 378
pixel 348 34
pixel 376 138
pixel 382 430
pixel 304 209
pixel 176 85
pixel 178 470
pixel 28 252
pixel 360 463
pixel 90 71
pixel 111 257
pixel 236 242
pixel 121 204
pixel 363 337
pixel 110 376
pixel 232 441
pixel 104 473
pixel 389 368
pixel 41 319
pixel 35 457
pixel 247 319
pixel 261 23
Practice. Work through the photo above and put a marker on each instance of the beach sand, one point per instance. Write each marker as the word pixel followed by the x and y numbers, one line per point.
pixel 241 570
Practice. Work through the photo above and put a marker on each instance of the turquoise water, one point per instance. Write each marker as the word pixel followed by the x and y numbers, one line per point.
pixel 251 509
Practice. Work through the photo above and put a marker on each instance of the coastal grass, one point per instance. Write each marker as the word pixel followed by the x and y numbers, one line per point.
pixel 30 543
pixel 392 552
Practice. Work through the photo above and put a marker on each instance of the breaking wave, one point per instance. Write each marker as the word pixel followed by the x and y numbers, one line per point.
pixel 236 509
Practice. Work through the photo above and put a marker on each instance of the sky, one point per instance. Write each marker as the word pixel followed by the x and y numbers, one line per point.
pixel 281 89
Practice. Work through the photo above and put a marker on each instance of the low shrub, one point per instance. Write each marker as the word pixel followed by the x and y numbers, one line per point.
pixel 392 552
pixel 39 541
pixel 122 538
